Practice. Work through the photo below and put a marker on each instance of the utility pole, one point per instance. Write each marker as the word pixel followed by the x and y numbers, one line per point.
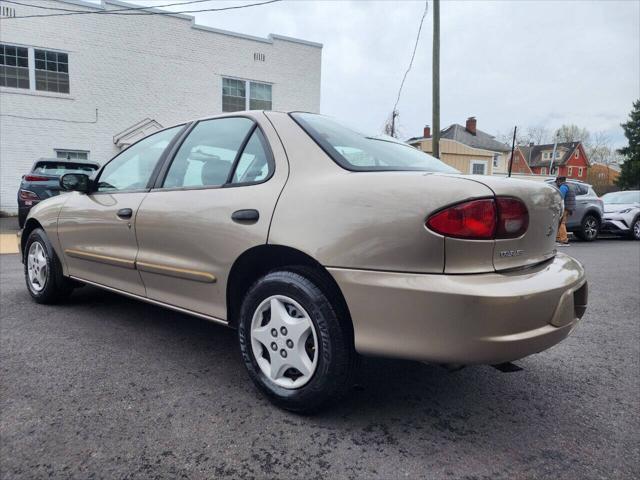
pixel 553 154
pixel 435 142
pixel 513 149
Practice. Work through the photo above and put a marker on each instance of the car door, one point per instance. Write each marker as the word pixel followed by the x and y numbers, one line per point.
pixel 213 201
pixel 97 231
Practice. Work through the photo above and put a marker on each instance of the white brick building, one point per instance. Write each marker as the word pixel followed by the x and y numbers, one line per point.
pixel 128 76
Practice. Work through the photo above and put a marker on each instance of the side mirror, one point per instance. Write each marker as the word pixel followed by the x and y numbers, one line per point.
pixel 76 182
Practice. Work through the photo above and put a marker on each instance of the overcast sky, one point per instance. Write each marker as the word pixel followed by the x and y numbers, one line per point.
pixel 505 62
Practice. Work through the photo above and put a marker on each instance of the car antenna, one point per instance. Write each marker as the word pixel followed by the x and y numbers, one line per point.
pixel 513 146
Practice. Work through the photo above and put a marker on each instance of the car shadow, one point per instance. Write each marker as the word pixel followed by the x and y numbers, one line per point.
pixel 398 394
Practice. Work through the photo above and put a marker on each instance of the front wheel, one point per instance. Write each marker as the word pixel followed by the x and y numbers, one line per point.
pixel 589 228
pixel 293 343
pixel 43 271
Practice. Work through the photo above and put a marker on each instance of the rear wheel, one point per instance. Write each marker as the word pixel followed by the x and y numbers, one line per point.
pixel 589 228
pixel 43 271
pixel 294 346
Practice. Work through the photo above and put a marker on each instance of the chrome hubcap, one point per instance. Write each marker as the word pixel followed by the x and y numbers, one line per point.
pixel 590 228
pixel 37 269
pixel 284 342
pixel 636 229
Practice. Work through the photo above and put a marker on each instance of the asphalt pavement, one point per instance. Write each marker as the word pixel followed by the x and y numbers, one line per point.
pixel 107 387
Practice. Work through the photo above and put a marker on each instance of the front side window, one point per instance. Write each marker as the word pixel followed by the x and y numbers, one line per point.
pixel 132 169
pixel 72 154
pixel 358 152
pixel 14 66
pixel 52 71
pixel 206 157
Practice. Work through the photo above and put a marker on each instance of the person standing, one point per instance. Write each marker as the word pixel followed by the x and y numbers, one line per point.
pixel 569 200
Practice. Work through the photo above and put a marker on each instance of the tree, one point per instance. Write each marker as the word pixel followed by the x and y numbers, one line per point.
pixel 573 133
pixel 630 171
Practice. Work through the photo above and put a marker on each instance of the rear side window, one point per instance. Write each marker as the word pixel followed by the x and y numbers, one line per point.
pixel 358 152
pixel 580 189
pixel 60 168
pixel 214 149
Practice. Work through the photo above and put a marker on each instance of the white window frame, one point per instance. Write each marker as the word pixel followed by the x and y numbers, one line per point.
pixel 484 163
pixel 577 154
pixel 32 71
pixel 570 171
pixel 69 150
pixel 580 170
pixel 247 90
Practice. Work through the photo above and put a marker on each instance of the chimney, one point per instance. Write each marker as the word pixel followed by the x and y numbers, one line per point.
pixel 427 131
pixel 471 125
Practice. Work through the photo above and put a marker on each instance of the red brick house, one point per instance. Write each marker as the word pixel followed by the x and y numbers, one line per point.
pixel 520 164
pixel 570 160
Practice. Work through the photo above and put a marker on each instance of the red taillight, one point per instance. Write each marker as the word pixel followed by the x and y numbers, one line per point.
pixel 26 195
pixel 486 219
pixel 36 178
pixel 513 217
pixel 473 220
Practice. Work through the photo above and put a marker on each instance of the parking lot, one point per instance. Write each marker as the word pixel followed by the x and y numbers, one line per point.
pixel 106 387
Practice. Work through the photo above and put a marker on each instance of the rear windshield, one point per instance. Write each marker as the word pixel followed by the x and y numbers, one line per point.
pixel 359 152
pixel 622 197
pixel 60 168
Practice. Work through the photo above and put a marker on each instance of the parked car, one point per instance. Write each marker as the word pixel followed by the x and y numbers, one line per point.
pixel 586 219
pixel 622 213
pixel 43 181
pixel 315 242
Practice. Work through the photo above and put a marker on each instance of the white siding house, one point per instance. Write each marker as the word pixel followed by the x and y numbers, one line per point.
pixel 89 85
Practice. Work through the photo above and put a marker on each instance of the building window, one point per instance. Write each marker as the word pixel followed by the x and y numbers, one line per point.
pixel 260 96
pixel 580 171
pixel 545 155
pixel 235 98
pixel 52 71
pixel 14 66
pixel 570 171
pixel 495 160
pixel 478 167
pixel 72 154
pixel 577 154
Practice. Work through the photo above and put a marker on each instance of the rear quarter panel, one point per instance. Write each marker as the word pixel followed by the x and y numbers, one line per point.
pixel 365 220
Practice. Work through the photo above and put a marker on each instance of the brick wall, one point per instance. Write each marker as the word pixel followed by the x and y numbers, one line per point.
pixel 132 68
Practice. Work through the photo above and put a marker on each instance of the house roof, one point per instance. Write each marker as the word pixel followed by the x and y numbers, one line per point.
pixel 481 140
pixel 533 153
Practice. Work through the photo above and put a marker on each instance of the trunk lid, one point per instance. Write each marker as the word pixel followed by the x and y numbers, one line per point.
pixel 544 204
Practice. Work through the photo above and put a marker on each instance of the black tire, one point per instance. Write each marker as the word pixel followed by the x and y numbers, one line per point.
pixel 589 228
pixel 634 234
pixel 336 356
pixel 22 218
pixel 55 287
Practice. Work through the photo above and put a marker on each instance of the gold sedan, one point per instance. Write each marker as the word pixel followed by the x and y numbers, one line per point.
pixel 315 242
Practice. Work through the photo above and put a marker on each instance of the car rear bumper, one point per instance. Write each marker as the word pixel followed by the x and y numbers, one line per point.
pixel 464 319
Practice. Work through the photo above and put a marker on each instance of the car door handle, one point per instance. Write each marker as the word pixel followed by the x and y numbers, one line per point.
pixel 124 213
pixel 245 216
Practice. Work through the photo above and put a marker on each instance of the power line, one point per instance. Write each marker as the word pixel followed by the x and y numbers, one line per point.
pixel 114 10
pixel 415 47
pixel 133 12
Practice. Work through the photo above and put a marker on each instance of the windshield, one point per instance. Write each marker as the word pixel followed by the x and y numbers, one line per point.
pixel 622 197
pixel 60 168
pixel 355 151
